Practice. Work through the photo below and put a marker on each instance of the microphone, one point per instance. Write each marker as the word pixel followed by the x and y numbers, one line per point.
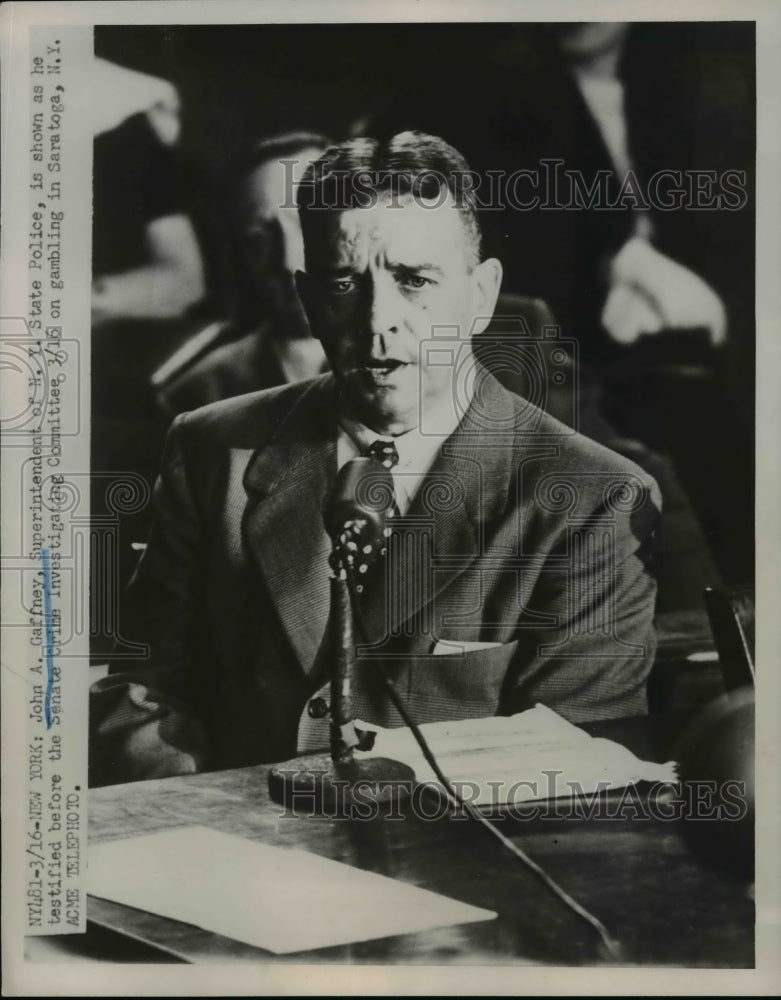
pixel 355 515
pixel 362 496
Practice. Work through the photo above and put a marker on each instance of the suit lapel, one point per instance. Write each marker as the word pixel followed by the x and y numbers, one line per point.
pixel 286 482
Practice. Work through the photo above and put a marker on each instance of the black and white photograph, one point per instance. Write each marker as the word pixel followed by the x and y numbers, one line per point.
pixel 391 538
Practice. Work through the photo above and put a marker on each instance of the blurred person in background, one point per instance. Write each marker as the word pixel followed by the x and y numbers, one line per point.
pixel 146 259
pixel 267 340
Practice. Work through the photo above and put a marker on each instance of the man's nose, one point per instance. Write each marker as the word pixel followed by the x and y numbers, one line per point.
pixel 385 305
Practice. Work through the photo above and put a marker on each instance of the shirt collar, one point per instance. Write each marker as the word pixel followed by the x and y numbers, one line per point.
pixel 416 448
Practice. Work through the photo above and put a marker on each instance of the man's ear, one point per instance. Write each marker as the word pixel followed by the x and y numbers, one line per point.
pixel 486 282
pixel 305 294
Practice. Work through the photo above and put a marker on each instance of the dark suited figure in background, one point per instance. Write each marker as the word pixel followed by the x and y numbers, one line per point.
pixel 518 566
pixel 655 280
pixel 267 341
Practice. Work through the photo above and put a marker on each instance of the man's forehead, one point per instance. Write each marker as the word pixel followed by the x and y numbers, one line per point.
pixel 407 226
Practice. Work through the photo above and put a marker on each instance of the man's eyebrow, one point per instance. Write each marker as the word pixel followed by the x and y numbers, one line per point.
pixel 423 266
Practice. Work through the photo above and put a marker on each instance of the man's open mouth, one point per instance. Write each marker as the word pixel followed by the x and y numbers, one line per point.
pixel 383 366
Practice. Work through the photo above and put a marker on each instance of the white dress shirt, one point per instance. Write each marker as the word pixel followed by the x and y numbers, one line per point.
pixel 417 451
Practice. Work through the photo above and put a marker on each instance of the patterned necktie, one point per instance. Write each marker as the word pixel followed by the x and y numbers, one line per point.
pixel 386 454
pixel 363 559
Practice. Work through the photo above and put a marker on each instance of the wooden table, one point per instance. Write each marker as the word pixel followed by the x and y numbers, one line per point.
pixel 664 904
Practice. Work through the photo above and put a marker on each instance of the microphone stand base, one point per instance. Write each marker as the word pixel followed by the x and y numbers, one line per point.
pixel 318 785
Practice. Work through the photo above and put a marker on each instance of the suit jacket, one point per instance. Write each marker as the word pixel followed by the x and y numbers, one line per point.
pixel 525 537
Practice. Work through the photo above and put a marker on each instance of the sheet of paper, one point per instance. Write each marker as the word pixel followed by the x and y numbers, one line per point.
pixel 519 758
pixel 275 898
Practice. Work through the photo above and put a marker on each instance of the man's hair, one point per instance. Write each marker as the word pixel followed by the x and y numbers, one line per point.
pixel 357 172
pixel 275 147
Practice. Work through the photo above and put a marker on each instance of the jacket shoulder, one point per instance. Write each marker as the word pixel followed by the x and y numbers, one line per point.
pixel 247 421
pixel 575 449
pixel 594 471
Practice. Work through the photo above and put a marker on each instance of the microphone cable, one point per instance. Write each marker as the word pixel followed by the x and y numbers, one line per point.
pixel 610 944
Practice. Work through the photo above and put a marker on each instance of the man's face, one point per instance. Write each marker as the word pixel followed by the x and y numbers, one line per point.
pixel 272 245
pixel 380 281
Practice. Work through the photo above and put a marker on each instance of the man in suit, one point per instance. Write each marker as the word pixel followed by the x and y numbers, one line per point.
pixel 519 563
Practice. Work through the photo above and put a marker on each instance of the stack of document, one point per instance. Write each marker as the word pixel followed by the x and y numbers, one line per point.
pixel 527 757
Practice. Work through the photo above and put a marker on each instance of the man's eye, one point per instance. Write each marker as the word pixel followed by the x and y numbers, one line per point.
pixel 341 286
pixel 414 281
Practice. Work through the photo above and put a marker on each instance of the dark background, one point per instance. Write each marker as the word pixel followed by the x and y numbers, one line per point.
pixel 256 79
pixel 240 82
